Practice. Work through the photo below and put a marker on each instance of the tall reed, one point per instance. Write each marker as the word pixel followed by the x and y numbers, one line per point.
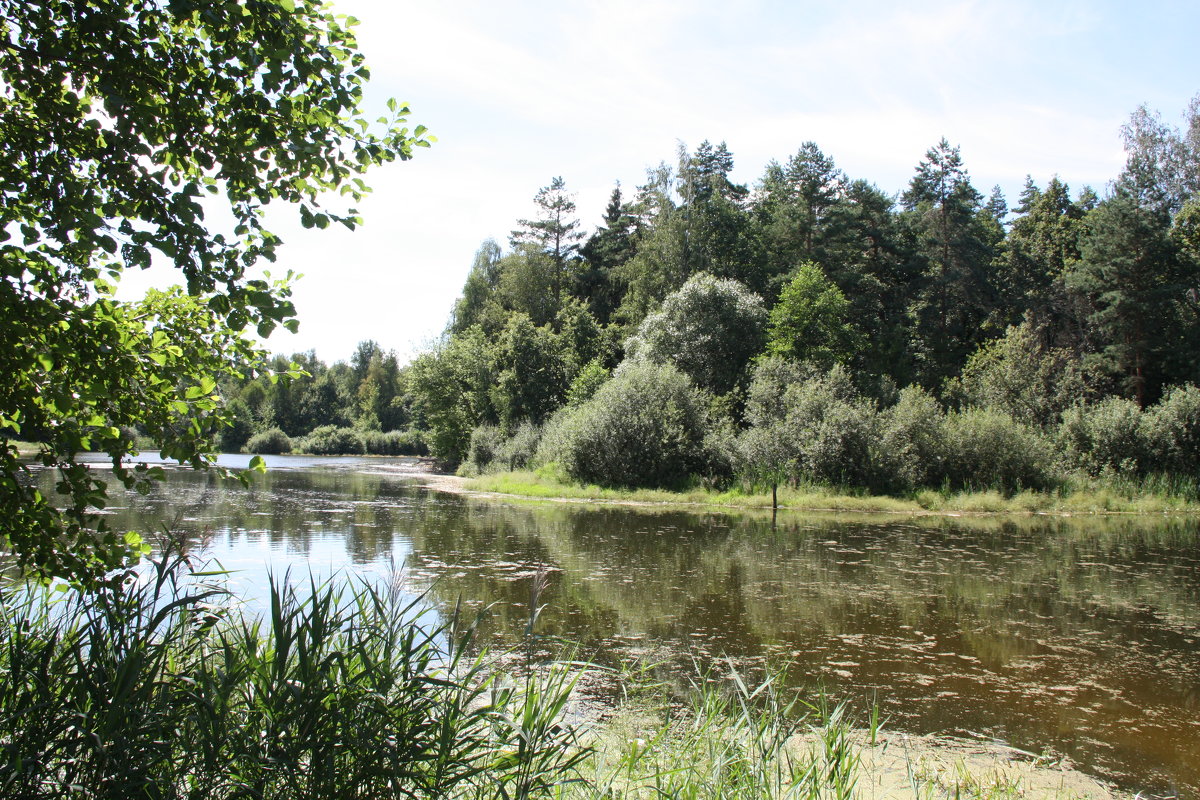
pixel 156 686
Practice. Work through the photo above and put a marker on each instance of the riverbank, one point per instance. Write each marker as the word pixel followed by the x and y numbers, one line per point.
pixel 1094 498
pixel 702 754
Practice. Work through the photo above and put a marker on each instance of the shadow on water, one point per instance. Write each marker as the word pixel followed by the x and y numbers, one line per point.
pixel 1079 636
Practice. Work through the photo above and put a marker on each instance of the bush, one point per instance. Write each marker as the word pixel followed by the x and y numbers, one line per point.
pixel 912 444
pixel 270 442
pixel 486 441
pixel 1173 431
pixel 1109 436
pixel 330 440
pixel 395 443
pixel 644 428
pixel 987 449
pixel 1022 377
pixel 518 451
pixel 837 447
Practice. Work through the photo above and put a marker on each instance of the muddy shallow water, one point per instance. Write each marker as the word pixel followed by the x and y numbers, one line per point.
pixel 1073 636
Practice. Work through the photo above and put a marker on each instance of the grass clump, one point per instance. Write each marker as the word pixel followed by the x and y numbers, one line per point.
pixel 154 686
pixel 729 740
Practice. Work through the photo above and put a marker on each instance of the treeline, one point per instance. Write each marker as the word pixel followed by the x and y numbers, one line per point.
pixel 301 404
pixel 710 330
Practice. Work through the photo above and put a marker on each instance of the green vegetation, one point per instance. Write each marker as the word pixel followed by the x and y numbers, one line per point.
pixel 124 127
pixel 155 686
pixel 830 335
pixel 1083 496
pixel 941 347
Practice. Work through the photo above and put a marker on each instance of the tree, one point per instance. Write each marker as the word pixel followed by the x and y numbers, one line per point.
pixel 945 214
pixel 116 119
pixel 793 207
pixel 530 375
pixel 478 295
pixel 809 322
pixel 605 252
pixel 1032 265
pixel 709 329
pixel 1135 282
pixel 450 389
pixel 555 232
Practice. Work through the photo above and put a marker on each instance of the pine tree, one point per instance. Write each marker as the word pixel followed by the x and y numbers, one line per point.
pixel 555 231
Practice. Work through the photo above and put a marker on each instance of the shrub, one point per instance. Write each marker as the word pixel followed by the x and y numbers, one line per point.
pixel 517 452
pixel 486 441
pixel 330 440
pixel 827 429
pixel 1109 436
pixel 912 446
pixel 270 442
pixel 987 449
pixel 1022 377
pixel 837 445
pixel 395 443
pixel 644 428
pixel 1173 431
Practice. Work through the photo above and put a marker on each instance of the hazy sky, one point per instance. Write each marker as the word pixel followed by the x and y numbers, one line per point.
pixel 597 92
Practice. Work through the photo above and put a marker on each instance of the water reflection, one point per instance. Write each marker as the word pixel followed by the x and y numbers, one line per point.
pixel 1076 635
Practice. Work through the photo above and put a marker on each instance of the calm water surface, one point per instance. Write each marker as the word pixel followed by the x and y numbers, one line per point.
pixel 1076 636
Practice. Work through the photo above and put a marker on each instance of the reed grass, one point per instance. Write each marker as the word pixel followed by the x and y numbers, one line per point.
pixel 155 686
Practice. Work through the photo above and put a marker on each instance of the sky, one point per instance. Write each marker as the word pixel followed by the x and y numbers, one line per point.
pixel 599 91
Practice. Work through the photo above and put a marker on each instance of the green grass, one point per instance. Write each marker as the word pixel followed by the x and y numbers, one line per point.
pixel 1149 495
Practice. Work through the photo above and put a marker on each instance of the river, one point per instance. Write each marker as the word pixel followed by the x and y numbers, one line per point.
pixel 1073 636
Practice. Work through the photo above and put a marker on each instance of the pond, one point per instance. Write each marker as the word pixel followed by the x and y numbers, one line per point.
pixel 1074 636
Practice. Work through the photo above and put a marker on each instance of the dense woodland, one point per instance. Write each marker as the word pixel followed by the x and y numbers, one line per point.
pixel 811 327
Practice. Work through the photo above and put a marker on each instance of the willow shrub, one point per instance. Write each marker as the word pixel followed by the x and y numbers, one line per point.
pixel 1172 430
pixel 486 441
pixel 836 439
pixel 519 450
pixel 912 443
pixel 270 442
pixel 153 686
pixel 643 428
pixel 330 440
pixel 1105 437
pixel 987 449
pixel 395 443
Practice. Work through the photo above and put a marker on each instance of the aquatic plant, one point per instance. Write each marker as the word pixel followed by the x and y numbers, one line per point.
pixel 156 685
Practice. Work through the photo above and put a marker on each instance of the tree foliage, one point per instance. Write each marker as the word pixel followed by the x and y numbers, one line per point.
pixel 709 329
pixel 809 323
pixel 123 125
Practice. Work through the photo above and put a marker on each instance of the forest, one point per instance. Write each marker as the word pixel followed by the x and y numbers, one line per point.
pixel 808 328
